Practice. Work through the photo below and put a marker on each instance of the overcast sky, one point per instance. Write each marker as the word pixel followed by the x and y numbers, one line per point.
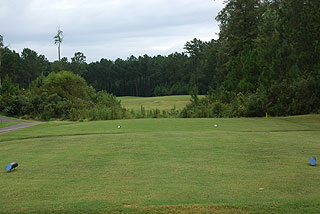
pixel 107 29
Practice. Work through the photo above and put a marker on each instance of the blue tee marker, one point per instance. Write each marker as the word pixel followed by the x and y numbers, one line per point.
pixel 11 166
pixel 313 161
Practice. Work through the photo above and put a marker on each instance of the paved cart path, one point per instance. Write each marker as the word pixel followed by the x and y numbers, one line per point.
pixel 21 124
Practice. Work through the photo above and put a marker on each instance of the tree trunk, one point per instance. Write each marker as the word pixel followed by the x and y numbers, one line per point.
pixel 59 52
pixel 0 69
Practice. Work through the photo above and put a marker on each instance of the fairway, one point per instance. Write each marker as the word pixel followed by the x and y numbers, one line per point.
pixel 161 102
pixel 245 165
pixel 7 124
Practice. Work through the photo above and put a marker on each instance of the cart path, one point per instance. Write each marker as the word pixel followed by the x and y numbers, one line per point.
pixel 15 127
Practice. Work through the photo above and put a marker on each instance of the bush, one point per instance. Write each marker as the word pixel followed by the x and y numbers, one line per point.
pixel 62 95
pixel 66 84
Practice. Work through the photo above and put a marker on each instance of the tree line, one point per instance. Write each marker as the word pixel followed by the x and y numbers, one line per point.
pixel 267 58
pixel 136 76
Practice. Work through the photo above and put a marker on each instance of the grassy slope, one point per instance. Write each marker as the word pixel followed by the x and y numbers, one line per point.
pixel 163 165
pixel 161 103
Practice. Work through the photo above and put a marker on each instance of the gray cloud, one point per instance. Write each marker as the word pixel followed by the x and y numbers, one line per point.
pixel 107 28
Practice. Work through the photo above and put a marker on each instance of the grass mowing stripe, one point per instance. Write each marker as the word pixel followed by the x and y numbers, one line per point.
pixel 57 136
pixel 2 125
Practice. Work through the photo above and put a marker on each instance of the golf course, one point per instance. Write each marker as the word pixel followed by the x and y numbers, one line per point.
pixel 243 165
pixel 158 107
pixel 161 102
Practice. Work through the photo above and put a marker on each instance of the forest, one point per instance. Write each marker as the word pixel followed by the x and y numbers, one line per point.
pixel 266 59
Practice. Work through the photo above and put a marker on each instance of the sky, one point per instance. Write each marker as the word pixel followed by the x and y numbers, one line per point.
pixel 108 29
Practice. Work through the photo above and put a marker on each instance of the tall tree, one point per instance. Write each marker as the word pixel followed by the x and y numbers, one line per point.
pixel 78 63
pixel 1 47
pixel 33 65
pixel 195 49
pixel 1 41
pixel 299 24
pixel 239 21
pixel 11 65
pixel 58 40
pixel 78 58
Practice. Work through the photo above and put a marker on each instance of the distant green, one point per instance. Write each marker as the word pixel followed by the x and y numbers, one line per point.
pixel 163 166
pixel 161 103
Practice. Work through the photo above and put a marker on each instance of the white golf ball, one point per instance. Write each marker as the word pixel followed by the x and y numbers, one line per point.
pixel 119 126
pixel 215 125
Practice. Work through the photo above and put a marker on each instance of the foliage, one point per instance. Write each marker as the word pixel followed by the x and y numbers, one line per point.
pixel 1 41
pixel 66 85
pixel 23 69
pixel 8 87
pixel 286 98
pixel 62 95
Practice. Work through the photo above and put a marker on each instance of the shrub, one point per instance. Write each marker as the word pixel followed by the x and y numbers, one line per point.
pixel 62 95
pixel 66 84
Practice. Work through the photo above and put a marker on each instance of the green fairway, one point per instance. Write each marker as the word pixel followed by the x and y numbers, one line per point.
pixel 7 124
pixel 245 165
pixel 161 103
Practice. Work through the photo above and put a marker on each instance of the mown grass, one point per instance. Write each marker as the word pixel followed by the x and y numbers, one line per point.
pixel 2 125
pixel 161 103
pixel 163 166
